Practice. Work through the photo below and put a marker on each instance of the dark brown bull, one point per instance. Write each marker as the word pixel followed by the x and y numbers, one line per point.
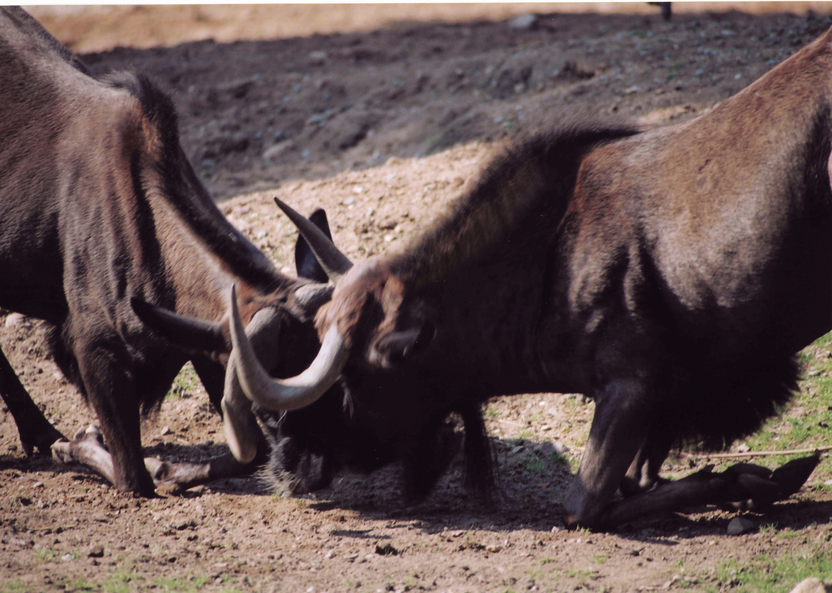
pixel 99 206
pixel 670 274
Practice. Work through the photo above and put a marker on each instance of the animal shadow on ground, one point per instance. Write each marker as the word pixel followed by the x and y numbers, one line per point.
pixel 530 483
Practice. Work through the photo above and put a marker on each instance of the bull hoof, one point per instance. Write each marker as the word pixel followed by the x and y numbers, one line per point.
pixel 163 478
pixel 577 510
pixel 61 452
pixel 42 442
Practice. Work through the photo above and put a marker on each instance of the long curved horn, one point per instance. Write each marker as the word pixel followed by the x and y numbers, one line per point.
pixel 284 394
pixel 241 429
pixel 185 332
pixel 334 263
pixel 238 420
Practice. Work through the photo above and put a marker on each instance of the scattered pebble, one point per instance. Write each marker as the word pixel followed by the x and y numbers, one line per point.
pixel 740 525
pixel 318 57
pixel 812 585
pixel 386 550
pixel 14 319
pixel 523 22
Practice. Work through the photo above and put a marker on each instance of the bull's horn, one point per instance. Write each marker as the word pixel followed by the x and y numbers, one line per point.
pixel 186 332
pixel 312 296
pixel 334 263
pixel 241 430
pixel 284 394
pixel 238 420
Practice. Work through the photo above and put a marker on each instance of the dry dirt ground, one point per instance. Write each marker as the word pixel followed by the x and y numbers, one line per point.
pixel 382 116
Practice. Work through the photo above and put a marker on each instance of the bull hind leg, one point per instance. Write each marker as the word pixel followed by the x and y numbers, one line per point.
pixel 34 429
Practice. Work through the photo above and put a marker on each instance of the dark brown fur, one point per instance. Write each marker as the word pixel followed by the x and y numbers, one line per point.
pixel 99 205
pixel 671 275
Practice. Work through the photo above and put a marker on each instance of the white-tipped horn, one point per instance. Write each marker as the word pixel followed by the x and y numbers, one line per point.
pixel 284 394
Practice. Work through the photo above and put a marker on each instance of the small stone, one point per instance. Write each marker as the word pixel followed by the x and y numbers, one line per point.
pixel 549 448
pixel 96 552
pixel 14 319
pixel 386 550
pixel 812 585
pixel 740 525
pixel 276 150
pixel 166 431
pixel 318 57
pixel 523 22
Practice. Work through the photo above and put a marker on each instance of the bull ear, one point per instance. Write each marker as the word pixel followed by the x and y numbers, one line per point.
pixel 186 332
pixel 305 263
pixel 398 346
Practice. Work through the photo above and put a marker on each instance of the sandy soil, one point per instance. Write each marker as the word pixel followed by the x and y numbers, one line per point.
pixel 382 115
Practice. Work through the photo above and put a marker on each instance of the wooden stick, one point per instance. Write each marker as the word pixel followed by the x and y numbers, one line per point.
pixel 758 453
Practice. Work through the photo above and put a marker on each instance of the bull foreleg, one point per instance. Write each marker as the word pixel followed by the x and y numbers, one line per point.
pixel 34 429
pixel 87 449
pixel 643 473
pixel 618 432
pixel 740 486
pixel 107 375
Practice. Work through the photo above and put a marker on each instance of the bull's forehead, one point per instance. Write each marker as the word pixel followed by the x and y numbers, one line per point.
pixel 363 276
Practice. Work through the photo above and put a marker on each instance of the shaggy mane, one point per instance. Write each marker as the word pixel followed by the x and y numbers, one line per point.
pixel 539 171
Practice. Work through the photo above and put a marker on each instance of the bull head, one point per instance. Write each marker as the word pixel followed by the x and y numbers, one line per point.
pixel 389 426
pixel 389 351
pixel 261 343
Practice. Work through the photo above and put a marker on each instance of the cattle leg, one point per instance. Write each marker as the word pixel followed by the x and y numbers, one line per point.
pixel 180 476
pixel 619 429
pixel 110 387
pixel 643 473
pixel 87 449
pixel 34 429
pixel 742 486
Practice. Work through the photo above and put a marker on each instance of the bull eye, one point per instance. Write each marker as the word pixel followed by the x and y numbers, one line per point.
pixel 401 345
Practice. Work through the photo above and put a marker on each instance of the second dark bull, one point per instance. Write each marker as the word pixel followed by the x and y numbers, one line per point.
pixel 671 275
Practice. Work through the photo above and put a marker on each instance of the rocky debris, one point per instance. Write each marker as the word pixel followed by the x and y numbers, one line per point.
pixel 739 525
pixel 15 319
pixel 524 22
pixel 812 585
